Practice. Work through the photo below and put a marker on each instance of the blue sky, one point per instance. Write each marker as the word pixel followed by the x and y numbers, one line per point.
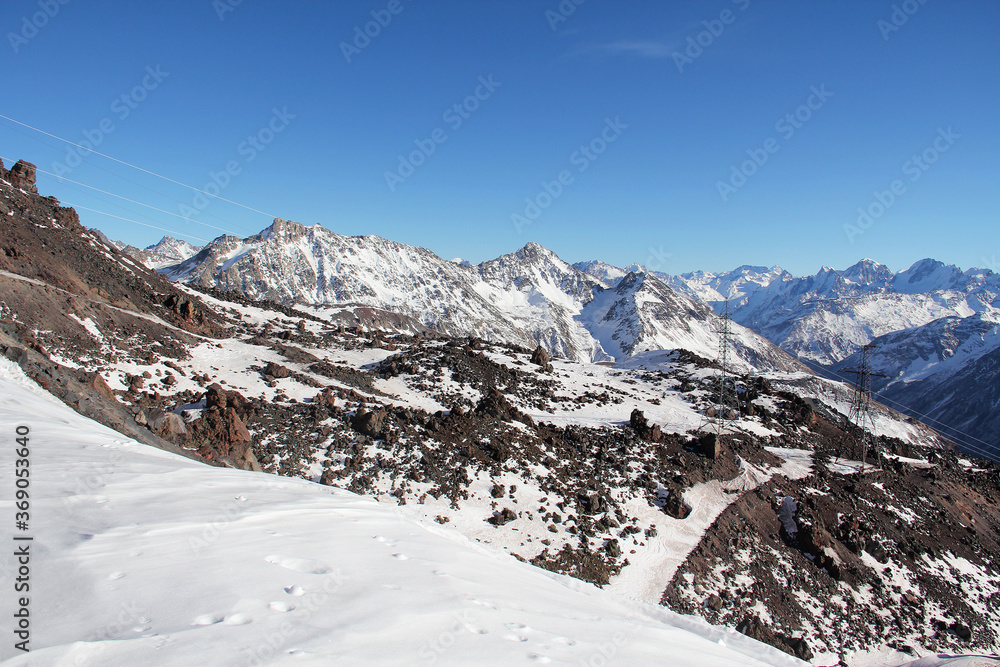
pixel 681 135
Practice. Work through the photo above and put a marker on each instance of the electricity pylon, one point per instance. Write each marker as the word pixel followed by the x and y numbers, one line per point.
pixel 861 413
pixel 725 395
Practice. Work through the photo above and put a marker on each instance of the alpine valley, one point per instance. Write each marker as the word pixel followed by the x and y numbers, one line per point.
pixel 324 448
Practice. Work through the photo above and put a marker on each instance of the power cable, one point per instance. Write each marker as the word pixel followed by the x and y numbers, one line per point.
pixel 147 171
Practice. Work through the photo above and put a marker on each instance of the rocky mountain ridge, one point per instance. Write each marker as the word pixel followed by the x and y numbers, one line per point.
pixel 529 297
pixel 165 252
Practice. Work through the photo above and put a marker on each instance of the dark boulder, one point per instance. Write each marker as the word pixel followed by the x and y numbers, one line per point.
pixel 277 371
pixel 541 358
pixel 370 423
pixel 506 515
pixel 495 404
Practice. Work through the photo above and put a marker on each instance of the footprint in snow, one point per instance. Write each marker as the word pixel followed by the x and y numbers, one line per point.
pixel 115 576
pixel 482 603
pixel 237 619
pixel 539 658
pixel 515 638
pixel 384 540
pixel 295 590
pixel 281 606
pixel 304 565
pixel 208 619
pixel 401 557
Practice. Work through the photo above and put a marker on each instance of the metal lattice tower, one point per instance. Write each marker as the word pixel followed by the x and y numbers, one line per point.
pixel 725 395
pixel 861 414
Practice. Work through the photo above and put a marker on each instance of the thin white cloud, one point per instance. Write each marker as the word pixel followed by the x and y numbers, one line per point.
pixel 640 48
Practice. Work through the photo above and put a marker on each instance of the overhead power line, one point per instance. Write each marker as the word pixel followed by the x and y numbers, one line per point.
pixel 990 452
pixel 127 164
pixel 162 229
pixel 176 215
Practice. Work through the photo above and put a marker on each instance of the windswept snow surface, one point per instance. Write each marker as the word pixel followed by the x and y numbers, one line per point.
pixel 141 557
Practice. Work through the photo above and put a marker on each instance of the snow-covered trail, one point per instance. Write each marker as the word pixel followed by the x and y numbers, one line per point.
pixel 141 557
pixel 651 570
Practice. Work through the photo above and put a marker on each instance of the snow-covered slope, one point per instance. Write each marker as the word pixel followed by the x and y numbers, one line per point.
pixel 528 297
pixel 129 567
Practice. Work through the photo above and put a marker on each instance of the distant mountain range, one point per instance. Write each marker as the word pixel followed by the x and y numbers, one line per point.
pixel 529 297
pixel 826 317
pixel 937 329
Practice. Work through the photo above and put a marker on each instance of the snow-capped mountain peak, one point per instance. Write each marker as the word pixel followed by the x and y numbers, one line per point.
pixel 868 272
pixel 529 297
